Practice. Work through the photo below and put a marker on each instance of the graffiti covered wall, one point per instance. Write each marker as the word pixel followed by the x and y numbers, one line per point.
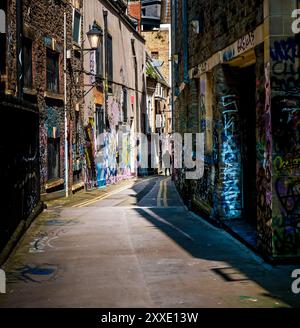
pixel 285 109
pixel 227 149
pixel 285 120
pixel 264 153
pixel 51 127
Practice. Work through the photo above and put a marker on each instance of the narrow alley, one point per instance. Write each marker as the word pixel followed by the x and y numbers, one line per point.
pixel 138 246
pixel 150 159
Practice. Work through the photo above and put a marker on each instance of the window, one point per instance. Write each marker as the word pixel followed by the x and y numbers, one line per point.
pixel 2 19
pixel 52 71
pixel 99 60
pixel 144 123
pixel 3 38
pixel 124 105
pixel 154 54
pixel 2 53
pixel 53 158
pixel 76 25
pixel 109 61
pixel 158 90
pixel 27 67
pixel 99 119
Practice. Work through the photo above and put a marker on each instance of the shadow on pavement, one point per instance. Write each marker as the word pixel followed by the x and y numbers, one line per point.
pixel 203 241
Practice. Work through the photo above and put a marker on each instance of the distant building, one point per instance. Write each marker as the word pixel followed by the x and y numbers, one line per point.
pixel 117 98
pixel 159 119
pixel 156 29
pixel 155 13
pixel 135 12
pixel 158 100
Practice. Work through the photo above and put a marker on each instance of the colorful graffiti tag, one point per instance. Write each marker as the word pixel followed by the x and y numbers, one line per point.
pixel 285 71
pixel 286 140
pixel 231 159
pixel 264 156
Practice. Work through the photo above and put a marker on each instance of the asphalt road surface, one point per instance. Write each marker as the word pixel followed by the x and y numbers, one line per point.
pixel 138 247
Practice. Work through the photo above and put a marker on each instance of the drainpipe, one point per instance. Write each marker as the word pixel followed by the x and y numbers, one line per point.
pixel 65 105
pixel 105 13
pixel 185 42
pixel 137 112
pixel 136 86
pixel 172 46
pixel 19 32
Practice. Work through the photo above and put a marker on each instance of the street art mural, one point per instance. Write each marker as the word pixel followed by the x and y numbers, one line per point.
pixel 278 150
pixel 264 154
pixel 108 155
pixel 285 71
pixel 286 140
pixel 50 127
pixel 90 165
pixel 231 158
pixel 111 157
pixel 27 184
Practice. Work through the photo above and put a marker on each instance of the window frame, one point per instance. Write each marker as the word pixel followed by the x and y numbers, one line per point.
pixel 3 54
pixel 110 70
pixel 100 128
pixel 27 42
pixel 125 105
pixel 57 71
pixel 76 11
pixel 56 144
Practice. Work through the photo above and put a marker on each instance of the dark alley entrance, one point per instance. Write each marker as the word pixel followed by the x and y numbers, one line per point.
pixel 247 89
pixel 240 77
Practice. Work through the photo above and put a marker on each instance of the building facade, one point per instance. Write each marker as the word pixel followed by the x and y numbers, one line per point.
pixel 156 29
pixel 115 103
pixel 33 97
pixel 158 116
pixel 235 77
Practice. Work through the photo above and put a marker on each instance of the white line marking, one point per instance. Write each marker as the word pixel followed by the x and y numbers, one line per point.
pixel 158 218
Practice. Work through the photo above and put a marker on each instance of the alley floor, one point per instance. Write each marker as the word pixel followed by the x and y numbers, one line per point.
pixel 138 246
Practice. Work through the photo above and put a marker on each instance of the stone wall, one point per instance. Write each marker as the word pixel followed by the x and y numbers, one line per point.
pixel 43 24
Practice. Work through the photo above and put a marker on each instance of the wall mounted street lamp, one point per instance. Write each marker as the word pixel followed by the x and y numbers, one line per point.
pixel 94 35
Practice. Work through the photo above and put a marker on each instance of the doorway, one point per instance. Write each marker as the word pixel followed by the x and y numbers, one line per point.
pixel 247 95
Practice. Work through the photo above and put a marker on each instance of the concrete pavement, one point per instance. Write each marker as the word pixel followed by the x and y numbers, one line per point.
pixel 137 246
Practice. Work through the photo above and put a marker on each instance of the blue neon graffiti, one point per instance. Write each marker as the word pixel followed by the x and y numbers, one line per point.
pixel 231 191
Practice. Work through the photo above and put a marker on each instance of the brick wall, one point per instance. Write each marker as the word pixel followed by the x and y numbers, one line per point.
pixel 158 41
pixel 46 31
pixel 221 23
pixel 135 10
